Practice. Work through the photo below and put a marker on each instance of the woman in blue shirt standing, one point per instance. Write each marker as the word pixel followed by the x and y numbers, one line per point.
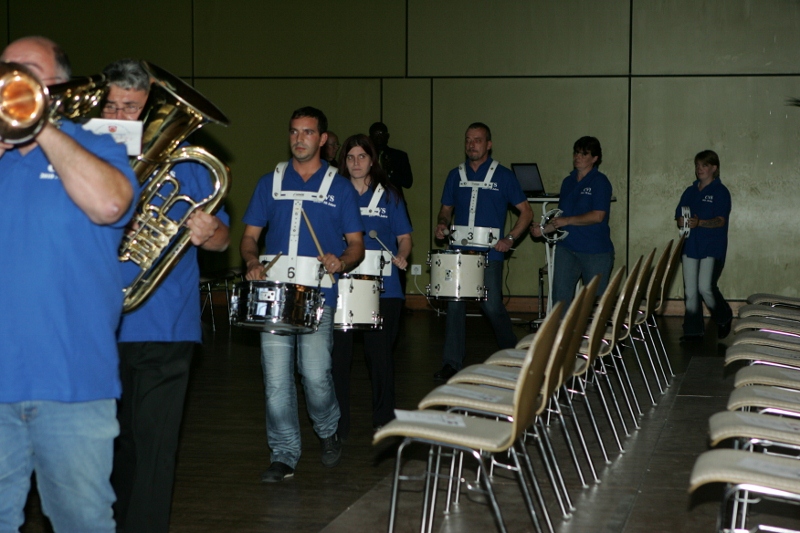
pixel 385 219
pixel 585 202
pixel 704 250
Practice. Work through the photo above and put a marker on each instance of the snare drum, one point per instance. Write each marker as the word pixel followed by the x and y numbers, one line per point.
pixel 276 307
pixel 457 274
pixel 358 306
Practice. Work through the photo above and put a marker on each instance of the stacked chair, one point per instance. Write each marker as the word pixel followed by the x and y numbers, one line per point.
pixel 762 420
pixel 492 412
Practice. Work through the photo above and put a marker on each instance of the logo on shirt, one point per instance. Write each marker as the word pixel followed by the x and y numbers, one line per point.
pixel 587 190
pixel 709 198
pixel 330 201
pixel 49 175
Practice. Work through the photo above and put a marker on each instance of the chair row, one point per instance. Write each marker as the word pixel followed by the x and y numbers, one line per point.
pixel 762 421
pixel 494 411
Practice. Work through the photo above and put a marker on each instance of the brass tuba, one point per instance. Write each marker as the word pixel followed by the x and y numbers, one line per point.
pixel 174 110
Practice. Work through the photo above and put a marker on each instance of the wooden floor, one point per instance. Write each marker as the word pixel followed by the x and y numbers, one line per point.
pixel 223 449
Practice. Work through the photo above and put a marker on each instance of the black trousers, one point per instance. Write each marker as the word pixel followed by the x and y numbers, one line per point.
pixel 378 346
pixel 154 380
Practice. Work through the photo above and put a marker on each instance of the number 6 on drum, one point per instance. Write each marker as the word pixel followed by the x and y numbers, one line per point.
pixel 316 241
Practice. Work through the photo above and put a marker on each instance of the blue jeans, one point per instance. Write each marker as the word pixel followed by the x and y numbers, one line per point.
pixel 700 278
pixel 70 446
pixel 571 266
pixel 314 366
pixel 492 307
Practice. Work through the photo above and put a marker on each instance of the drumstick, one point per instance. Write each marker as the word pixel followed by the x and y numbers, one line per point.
pixel 316 241
pixel 374 234
pixel 272 263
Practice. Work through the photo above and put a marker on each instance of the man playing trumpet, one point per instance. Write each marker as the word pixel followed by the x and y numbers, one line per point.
pixel 68 195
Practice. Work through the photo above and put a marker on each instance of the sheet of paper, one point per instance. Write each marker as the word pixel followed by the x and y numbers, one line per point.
pixel 127 132
pixel 439 419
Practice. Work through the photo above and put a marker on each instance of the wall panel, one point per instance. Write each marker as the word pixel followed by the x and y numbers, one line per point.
pixel 716 37
pixel 321 38
pixel 531 38
pixel 95 32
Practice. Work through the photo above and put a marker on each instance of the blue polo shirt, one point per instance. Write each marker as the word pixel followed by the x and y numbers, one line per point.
pixel 390 222
pixel 492 203
pixel 62 290
pixel 713 201
pixel 172 312
pixel 332 218
pixel 592 193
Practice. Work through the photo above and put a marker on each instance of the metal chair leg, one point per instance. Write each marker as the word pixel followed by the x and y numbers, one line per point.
pixel 552 468
pixel 581 439
pixel 646 345
pixel 619 375
pixel 556 408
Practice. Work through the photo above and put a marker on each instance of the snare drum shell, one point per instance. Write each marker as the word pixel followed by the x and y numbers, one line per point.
pixel 457 275
pixel 276 307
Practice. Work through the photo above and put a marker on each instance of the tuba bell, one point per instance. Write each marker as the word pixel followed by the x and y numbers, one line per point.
pixel 174 110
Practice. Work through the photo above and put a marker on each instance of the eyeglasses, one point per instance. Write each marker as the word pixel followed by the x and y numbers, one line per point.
pixel 127 109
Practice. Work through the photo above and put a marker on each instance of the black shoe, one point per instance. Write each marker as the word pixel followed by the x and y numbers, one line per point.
pixel 691 338
pixel 445 373
pixel 331 450
pixel 277 472
pixel 724 330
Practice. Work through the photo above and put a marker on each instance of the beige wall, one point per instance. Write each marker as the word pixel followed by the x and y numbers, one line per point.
pixel 655 81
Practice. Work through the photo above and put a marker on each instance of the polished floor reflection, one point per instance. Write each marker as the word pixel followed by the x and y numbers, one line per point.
pixel 223 449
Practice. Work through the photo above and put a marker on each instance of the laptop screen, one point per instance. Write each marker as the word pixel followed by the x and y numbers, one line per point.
pixel 529 178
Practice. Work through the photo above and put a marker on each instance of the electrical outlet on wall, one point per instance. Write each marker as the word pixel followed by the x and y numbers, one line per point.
pixel 416 270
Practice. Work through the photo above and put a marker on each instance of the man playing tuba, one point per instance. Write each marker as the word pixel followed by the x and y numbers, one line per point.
pixel 156 340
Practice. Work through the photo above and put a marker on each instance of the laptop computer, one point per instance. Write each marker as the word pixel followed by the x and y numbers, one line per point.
pixel 530 180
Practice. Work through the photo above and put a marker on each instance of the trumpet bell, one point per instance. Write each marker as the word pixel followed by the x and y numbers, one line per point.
pixel 23 104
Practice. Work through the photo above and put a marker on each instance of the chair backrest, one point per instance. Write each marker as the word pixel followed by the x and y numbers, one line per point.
pixel 672 267
pixel 638 294
pixel 568 363
pixel 532 374
pixel 623 306
pixel 654 284
pixel 602 313
pixel 552 374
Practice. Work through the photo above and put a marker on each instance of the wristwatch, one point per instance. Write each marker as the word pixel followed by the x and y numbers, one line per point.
pixel 510 237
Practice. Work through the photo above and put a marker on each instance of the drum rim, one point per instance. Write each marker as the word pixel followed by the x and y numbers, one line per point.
pixel 364 277
pixel 457 251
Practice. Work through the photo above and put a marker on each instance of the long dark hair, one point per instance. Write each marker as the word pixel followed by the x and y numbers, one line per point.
pixel 376 173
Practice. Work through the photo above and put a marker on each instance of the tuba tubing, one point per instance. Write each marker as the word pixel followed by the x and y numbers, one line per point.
pixel 158 242
pixel 174 111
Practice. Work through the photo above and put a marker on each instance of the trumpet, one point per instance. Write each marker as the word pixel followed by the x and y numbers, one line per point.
pixel 26 104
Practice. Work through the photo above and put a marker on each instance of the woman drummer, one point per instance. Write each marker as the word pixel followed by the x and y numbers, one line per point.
pixel 386 222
